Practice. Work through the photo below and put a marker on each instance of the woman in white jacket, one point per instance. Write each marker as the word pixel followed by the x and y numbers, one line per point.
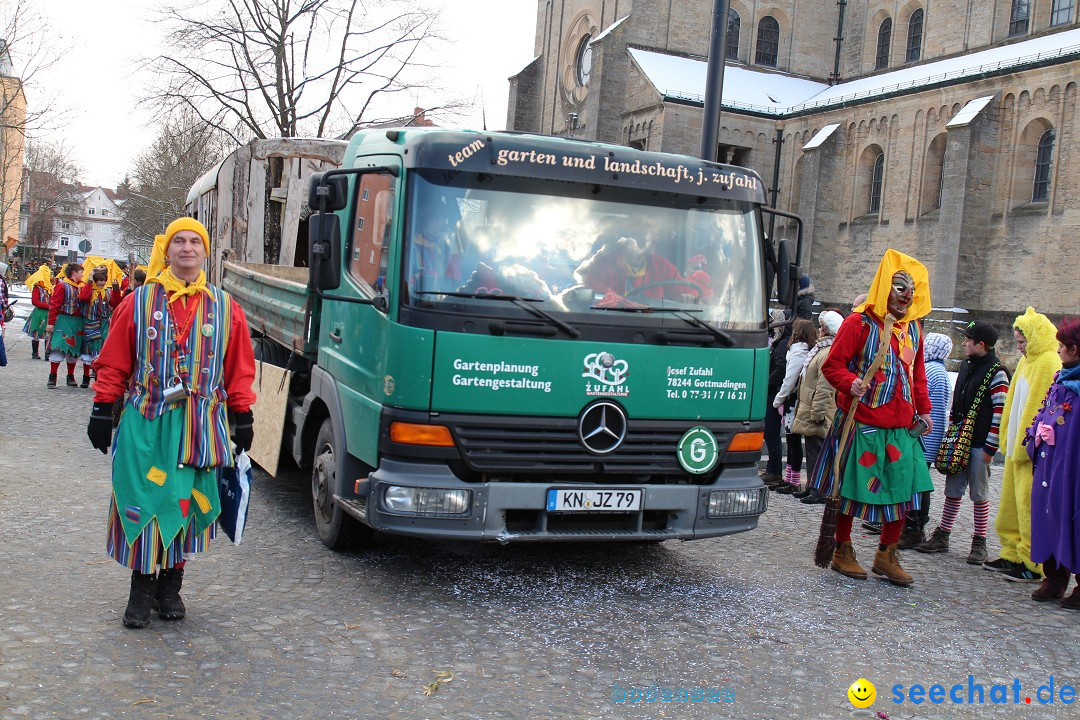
pixel 803 336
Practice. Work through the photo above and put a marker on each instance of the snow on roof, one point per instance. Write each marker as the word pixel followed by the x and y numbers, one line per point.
pixel 780 94
pixel 968 113
pixel 821 136
pixel 1016 54
pixel 680 77
pixel 610 27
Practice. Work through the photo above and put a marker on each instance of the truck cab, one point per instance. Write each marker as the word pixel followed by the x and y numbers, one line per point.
pixel 514 337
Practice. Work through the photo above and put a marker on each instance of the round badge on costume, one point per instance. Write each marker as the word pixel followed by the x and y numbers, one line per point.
pixel 151 333
pixel 158 315
pixel 207 330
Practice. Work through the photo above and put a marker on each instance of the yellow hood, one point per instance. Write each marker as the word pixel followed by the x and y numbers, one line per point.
pixel 1040 332
pixel 1037 368
pixel 877 300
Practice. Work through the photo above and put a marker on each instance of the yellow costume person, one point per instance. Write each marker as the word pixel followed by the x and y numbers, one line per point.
pixel 40 285
pixel 1034 375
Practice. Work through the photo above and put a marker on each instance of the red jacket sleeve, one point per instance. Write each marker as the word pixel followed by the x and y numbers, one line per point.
pixel 56 302
pixel 117 359
pixel 86 291
pixel 847 345
pixel 40 297
pixel 239 363
pixel 115 296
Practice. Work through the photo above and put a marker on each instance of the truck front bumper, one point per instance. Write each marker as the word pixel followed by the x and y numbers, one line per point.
pixel 516 511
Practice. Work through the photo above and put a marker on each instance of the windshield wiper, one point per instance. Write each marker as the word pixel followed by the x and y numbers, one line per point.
pixel 521 302
pixel 725 339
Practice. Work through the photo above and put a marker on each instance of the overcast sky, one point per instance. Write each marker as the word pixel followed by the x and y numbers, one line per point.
pixel 98 78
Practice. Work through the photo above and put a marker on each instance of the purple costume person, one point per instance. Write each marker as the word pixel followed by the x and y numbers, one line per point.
pixel 1053 442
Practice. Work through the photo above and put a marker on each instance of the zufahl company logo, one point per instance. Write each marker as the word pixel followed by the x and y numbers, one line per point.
pixel 607 376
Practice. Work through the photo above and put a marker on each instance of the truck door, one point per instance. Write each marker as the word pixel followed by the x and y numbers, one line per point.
pixel 354 337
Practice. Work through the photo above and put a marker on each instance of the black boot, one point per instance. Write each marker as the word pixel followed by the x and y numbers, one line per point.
pixel 34 345
pixel 52 381
pixel 912 536
pixel 137 614
pixel 85 381
pixel 71 381
pixel 167 600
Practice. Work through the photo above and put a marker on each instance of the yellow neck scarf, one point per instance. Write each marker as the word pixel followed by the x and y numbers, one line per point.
pixel 177 288
pixel 72 283
pixel 98 293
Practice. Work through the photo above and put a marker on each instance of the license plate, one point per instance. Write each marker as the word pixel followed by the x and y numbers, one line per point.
pixel 593 500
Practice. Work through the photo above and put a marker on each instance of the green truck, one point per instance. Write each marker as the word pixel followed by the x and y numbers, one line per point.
pixel 513 337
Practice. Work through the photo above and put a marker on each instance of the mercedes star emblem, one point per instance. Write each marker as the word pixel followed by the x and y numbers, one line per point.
pixel 602 427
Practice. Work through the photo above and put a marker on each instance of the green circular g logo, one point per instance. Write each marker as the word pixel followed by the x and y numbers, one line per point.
pixel 698 451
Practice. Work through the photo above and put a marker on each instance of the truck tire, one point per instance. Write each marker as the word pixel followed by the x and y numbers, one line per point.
pixel 337 529
pixel 268 351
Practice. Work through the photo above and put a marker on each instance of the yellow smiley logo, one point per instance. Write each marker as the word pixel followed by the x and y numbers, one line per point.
pixel 862 693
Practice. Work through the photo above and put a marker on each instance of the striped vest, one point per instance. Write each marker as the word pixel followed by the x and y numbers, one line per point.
pixel 72 305
pixel 97 312
pixel 205 441
pixel 894 373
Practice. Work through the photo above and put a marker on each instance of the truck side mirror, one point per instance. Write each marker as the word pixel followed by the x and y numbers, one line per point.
pixel 324 250
pixel 786 273
pixel 334 188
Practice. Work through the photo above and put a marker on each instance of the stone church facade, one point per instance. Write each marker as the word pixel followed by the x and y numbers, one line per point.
pixel 941 128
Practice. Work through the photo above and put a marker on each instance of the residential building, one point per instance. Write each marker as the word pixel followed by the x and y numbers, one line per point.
pixel 12 127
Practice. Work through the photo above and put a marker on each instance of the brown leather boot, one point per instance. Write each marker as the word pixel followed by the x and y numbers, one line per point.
pixel 844 562
pixel 1048 590
pixel 887 564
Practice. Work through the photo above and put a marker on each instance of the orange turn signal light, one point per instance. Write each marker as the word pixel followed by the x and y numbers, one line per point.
pixel 747 442
pixel 417 434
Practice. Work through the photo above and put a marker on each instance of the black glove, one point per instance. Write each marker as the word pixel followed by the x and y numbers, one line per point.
pixel 99 430
pixel 244 430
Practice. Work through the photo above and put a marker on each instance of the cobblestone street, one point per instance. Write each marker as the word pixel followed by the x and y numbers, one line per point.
pixel 281 627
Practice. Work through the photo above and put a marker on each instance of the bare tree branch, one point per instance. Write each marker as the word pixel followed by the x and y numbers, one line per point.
pixel 266 68
pixel 156 191
pixel 28 47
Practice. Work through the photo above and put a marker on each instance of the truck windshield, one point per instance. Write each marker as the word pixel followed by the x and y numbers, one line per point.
pixel 582 249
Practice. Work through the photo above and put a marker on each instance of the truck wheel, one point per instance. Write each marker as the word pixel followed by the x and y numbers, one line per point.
pixel 337 529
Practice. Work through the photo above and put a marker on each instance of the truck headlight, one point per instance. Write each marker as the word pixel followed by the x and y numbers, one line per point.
pixel 737 503
pixel 428 502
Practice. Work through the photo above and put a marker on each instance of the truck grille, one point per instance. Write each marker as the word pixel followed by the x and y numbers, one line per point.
pixel 551 446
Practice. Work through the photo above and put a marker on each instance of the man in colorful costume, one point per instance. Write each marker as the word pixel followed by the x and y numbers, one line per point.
pixel 65 325
pixel 873 461
pixel 98 303
pixel 180 348
pixel 40 285
pixel 1036 338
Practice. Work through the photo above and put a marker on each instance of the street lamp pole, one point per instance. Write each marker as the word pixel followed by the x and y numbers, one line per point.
pixel 714 82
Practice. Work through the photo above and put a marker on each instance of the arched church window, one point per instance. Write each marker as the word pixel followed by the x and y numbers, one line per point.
pixel 914 36
pixel 884 41
pixel 876 178
pixel 1061 12
pixel 734 24
pixel 768 41
pixel 1018 17
pixel 1044 159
